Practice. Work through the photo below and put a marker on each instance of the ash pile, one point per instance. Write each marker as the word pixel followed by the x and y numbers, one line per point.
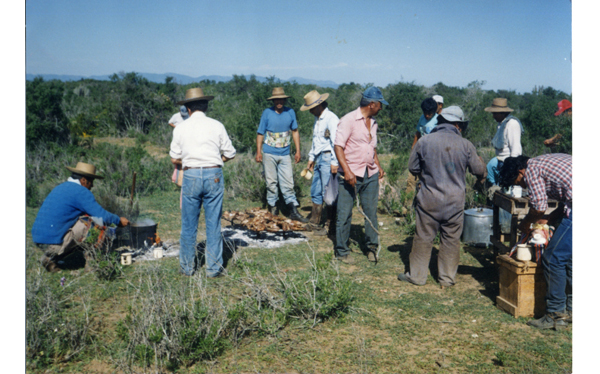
pixel 258 228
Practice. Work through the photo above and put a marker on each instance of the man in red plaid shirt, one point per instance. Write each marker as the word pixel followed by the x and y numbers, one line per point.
pixel 549 176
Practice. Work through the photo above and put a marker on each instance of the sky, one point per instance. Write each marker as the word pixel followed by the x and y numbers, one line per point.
pixel 512 45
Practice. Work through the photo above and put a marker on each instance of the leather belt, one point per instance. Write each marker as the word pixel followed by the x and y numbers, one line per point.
pixel 326 152
pixel 201 167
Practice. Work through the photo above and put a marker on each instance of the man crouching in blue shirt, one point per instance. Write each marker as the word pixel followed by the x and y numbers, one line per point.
pixel 58 230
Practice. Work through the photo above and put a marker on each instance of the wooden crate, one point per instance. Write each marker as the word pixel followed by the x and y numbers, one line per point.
pixel 522 287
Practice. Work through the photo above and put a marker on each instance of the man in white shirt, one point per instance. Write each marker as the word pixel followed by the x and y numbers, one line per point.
pixel 201 145
pixel 507 141
pixel 321 157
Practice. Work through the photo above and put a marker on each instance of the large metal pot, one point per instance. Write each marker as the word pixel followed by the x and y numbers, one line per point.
pixel 477 228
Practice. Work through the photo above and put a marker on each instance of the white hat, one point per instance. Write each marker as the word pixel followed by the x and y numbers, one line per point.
pixel 438 99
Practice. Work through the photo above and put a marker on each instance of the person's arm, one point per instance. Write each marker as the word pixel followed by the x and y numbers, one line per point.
pixel 349 176
pixel 533 216
pixel 176 161
pixel 259 142
pixel 381 172
pixel 296 137
pixel 172 125
pixel 414 163
pixel 417 137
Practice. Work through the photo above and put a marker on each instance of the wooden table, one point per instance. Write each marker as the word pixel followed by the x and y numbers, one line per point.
pixel 518 207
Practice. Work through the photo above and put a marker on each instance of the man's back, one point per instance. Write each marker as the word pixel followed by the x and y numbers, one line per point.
pixel 442 159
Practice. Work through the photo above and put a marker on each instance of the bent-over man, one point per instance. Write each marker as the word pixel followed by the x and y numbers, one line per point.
pixel 61 225
pixel 201 145
pixel 441 160
pixel 549 176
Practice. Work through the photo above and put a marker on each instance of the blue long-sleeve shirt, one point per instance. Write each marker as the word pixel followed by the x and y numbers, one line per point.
pixel 63 206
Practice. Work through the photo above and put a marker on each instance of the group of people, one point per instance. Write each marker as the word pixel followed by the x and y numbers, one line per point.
pixel 345 149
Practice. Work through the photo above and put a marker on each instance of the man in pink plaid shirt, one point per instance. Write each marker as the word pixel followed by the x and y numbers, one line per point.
pixel 549 176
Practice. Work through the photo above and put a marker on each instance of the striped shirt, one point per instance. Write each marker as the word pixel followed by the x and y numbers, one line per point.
pixel 550 176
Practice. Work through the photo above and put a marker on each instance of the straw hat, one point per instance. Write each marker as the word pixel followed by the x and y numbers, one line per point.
pixel 194 94
pixel 278 94
pixel 499 105
pixel 86 170
pixel 312 99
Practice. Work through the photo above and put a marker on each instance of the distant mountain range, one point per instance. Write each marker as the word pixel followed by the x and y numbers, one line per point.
pixel 179 78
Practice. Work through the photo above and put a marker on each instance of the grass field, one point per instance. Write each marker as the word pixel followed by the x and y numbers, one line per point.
pixel 387 326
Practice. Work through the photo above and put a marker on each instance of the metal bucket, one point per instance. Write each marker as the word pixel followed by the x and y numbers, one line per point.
pixel 143 233
pixel 477 227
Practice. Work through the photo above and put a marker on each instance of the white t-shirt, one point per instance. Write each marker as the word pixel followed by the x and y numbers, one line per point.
pixel 176 119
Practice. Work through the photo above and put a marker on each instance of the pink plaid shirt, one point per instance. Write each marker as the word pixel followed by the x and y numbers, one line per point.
pixel 359 146
pixel 550 176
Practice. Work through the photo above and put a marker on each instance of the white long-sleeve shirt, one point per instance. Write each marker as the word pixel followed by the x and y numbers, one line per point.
pixel 200 141
pixel 507 140
pixel 320 144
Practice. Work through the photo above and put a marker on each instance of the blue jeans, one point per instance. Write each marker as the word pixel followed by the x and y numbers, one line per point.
pixel 202 187
pixel 558 268
pixel 278 170
pixel 493 171
pixel 321 177
pixel 368 190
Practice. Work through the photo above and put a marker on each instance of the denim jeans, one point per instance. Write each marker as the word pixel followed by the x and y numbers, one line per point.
pixel 321 177
pixel 493 170
pixel 279 171
pixel 368 190
pixel 558 268
pixel 202 187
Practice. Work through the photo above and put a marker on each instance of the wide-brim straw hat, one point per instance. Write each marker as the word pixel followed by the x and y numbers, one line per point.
pixel 86 170
pixel 312 99
pixel 499 105
pixel 194 94
pixel 278 93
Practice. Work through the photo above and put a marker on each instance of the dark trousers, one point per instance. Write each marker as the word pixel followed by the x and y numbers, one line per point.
pixel 368 191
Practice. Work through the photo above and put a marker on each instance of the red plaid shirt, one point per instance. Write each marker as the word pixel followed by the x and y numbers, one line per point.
pixel 550 176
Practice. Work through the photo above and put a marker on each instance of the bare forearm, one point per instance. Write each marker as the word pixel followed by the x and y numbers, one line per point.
pixel 176 161
pixel 341 157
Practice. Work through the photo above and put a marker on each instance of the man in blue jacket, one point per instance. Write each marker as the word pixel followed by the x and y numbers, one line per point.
pixel 58 230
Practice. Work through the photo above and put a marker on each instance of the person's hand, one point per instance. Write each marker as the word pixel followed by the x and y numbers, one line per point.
pixel 297 157
pixel 124 222
pixel 334 169
pixel 258 157
pixel 310 165
pixel 381 173
pixel 350 178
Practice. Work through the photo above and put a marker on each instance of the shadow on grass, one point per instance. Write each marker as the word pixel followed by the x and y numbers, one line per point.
pixel 487 275
pixel 230 246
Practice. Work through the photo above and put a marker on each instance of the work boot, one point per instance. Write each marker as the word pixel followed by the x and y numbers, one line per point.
pixel 548 321
pixel 315 215
pixel 345 259
pixel 49 265
pixel 273 210
pixel 295 215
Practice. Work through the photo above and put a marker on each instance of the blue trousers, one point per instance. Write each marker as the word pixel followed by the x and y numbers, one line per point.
pixel 493 170
pixel 321 177
pixel 202 187
pixel 558 268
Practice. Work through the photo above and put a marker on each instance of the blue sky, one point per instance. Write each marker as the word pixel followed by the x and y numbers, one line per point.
pixel 509 44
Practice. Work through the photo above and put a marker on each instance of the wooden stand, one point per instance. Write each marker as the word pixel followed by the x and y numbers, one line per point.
pixel 518 207
pixel 522 287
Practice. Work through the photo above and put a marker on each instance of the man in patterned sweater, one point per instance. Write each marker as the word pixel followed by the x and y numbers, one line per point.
pixel 548 176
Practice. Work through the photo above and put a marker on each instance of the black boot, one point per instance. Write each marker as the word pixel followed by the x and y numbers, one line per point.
pixel 295 215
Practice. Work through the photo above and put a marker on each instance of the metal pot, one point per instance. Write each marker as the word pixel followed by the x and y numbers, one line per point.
pixel 143 233
pixel 477 228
